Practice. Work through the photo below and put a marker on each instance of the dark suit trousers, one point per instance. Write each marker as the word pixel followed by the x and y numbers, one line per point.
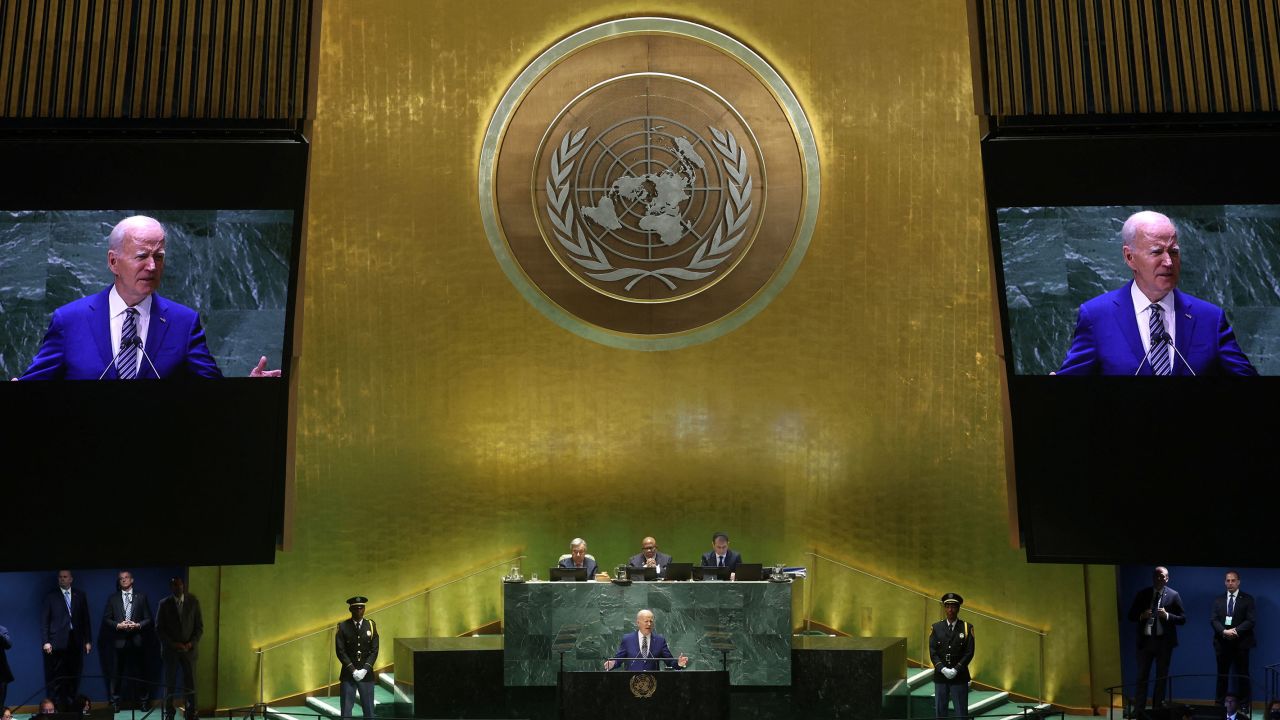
pixel 1148 652
pixel 958 695
pixel 1232 660
pixel 348 695
pixel 127 682
pixel 174 663
pixel 62 669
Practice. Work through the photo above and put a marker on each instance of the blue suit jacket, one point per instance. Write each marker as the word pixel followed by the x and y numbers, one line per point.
pixel 1107 341
pixel 63 629
pixel 588 563
pixel 731 559
pixel 77 345
pixel 630 648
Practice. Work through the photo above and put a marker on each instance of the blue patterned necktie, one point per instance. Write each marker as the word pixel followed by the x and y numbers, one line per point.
pixel 1231 604
pixel 644 646
pixel 1159 353
pixel 127 363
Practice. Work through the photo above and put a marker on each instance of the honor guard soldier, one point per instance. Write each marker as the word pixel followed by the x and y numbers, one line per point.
pixel 357 645
pixel 951 649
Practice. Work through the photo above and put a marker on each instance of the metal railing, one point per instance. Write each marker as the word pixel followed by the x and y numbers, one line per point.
pixel 155 696
pixel 878 606
pixel 305 662
pixel 1123 693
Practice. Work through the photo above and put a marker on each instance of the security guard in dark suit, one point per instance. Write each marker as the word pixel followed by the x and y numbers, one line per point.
pixel 357 646
pixel 951 649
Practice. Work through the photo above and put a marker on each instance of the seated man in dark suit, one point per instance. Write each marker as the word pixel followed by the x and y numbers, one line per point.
pixel 127 331
pixel 1148 327
pixel 721 555
pixel 650 557
pixel 578 558
pixel 643 650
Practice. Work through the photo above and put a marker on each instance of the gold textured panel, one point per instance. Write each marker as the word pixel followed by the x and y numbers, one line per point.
pixel 443 423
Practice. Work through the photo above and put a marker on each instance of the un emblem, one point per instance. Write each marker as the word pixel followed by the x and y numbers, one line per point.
pixel 649 183
pixel 643 685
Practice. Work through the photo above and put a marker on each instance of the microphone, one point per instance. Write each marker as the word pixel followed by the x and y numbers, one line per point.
pixel 1146 358
pixel 114 360
pixel 147 357
pixel 1178 352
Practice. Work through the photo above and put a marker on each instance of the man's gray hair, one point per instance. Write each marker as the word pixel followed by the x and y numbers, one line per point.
pixel 576 542
pixel 1139 220
pixel 115 240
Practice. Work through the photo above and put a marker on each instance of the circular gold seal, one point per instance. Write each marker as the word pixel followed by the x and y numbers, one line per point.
pixel 643 685
pixel 649 183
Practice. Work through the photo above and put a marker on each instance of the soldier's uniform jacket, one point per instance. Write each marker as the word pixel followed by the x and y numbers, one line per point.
pixel 357 648
pixel 950 647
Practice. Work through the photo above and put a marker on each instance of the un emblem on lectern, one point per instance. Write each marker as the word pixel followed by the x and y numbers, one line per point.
pixel 649 183
pixel 643 685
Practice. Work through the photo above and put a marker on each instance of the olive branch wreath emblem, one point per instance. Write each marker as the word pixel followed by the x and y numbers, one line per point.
pixel 588 253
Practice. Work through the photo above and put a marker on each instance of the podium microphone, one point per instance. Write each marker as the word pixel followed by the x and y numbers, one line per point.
pixel 147 357
pixel 114 360
pixel 1178 352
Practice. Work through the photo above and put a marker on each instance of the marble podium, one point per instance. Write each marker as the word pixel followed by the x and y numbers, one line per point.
pixel 746 623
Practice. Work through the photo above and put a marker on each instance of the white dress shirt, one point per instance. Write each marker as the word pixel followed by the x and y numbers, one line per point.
pixel 116 307
pixel 1142 308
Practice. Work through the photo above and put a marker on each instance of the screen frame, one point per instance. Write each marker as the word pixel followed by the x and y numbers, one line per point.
pixel 158 170
pixel 1214 459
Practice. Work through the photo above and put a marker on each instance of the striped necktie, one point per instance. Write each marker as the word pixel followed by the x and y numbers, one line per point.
pixel 1159 354
pixel 127 363
pixel 644 646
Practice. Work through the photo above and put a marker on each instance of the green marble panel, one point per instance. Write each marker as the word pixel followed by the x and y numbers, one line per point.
pixel 1054 259
pixel 232 266
pixel 754 616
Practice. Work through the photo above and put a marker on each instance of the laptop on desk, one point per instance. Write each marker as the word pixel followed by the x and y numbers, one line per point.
pixel 559 574
pixel 749 571
pixel 679 571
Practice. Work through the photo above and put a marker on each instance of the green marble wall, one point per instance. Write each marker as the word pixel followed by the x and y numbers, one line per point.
pixel 230 265
pixel 756 616
pixel 1056 258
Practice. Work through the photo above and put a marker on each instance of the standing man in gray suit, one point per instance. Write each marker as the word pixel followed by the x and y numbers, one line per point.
pixel 179 625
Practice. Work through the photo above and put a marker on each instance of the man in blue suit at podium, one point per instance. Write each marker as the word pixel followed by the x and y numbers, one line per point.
pixel 643 650
pixel 1148 327
pixel 126 331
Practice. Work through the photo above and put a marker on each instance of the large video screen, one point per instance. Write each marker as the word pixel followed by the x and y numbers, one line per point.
pixel 137 435
pixel 1056 259
pixel 1139 433
pixel 231 267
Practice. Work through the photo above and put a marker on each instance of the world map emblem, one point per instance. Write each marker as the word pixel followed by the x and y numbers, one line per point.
pixel 651 208
pixel 649 183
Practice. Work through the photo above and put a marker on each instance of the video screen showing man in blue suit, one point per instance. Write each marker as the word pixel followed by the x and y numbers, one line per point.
pixel 1148 326
pixel 127 331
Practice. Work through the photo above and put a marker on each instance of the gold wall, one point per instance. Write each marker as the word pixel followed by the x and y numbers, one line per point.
pixel 443 423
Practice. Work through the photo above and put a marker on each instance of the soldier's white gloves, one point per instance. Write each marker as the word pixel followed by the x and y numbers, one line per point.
pixel 359 674
pixel 950 673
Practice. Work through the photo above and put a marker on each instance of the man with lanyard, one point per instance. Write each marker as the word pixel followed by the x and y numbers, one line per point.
pixel 1158 612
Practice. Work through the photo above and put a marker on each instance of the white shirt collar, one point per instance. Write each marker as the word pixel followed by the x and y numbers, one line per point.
pixel 1141 302
pixel 117 304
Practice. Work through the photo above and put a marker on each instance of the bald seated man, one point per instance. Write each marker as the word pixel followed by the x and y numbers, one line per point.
pixel 650 556
pixel 127 331
pixel 1148 326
